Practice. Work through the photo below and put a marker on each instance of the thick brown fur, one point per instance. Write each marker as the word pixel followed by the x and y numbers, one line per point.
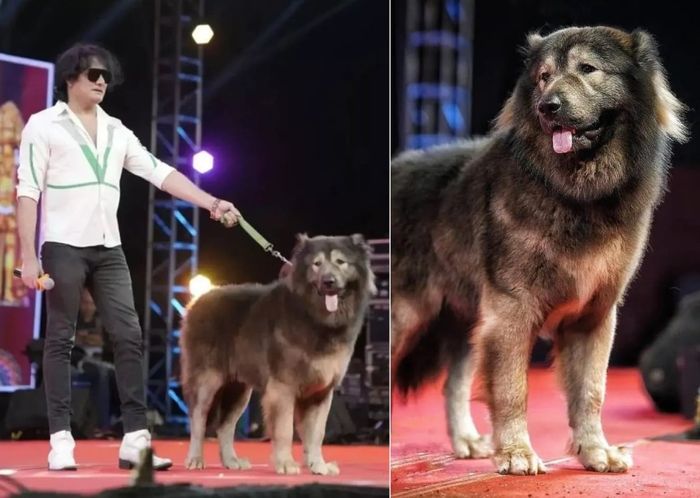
pixel 281 340
pixel 517 240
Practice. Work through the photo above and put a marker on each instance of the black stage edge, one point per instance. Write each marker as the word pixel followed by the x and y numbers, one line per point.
pixel 188 490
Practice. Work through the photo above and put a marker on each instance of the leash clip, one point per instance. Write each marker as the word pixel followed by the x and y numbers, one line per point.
pixel 277 254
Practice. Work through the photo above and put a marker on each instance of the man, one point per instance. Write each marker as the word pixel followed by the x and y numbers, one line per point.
pixel 73 153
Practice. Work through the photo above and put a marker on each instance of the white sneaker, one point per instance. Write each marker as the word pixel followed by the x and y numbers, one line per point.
pixel 61 454
pixel 130 451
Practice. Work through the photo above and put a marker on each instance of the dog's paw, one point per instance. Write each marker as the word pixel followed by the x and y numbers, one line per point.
pixel 518 460
pixel 605 458
pixel 194 462
pixel 287 467
pixel 472 447
pixel 324 468
pixel 235 463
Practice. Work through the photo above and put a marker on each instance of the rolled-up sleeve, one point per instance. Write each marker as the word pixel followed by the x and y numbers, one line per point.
pixel 142 163
pixel 33 161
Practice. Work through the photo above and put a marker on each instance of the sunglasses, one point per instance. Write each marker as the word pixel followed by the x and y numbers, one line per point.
pixel 93 74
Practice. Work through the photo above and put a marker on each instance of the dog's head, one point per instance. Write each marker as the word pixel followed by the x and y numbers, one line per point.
pixel 585 90
pixel 332 270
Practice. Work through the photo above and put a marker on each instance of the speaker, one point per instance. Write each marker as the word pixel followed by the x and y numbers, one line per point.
pixel 669 366
pixel 689 368
pixel 26 414
pixel 340 425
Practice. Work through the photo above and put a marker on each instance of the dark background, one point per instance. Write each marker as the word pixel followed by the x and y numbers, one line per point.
pixel 295 112
pixel 672 262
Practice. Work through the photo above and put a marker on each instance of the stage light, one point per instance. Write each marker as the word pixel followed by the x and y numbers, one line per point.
pixel 199 285
pixel 202 161
pixel 202 34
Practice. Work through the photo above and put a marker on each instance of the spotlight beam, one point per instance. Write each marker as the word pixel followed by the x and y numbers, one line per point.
pixel 236 67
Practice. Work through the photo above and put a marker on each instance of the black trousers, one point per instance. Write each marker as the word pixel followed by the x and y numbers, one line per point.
pixel 105 273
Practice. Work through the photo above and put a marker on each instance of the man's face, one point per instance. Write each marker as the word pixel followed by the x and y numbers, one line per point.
pixel 91 85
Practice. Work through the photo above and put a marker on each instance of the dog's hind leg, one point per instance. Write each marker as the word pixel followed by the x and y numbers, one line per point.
pixel 583 353
pixel 278 409
pixel 234 399
pixel 408 317
pixel 466 441
pixel 202 390
pixel 313 416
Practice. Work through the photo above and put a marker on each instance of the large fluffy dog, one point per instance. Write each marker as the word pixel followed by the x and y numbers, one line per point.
pixel 538 229
pixel 290 340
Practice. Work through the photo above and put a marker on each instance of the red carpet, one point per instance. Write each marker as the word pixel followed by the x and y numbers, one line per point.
pixel 422 464
pixel 359 466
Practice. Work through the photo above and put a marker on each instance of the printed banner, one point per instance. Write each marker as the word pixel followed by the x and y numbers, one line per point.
pixel 26 87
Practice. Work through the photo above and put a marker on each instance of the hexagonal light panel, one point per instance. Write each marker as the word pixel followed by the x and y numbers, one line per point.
pixel 202 34
pixel 202 161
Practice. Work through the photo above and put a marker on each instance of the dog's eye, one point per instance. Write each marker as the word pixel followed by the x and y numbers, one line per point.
pixel 587 68
pixel 340 261
pixel 544 76
pixel 317 263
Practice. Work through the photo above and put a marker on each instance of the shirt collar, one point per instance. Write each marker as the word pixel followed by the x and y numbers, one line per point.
pixel 61 109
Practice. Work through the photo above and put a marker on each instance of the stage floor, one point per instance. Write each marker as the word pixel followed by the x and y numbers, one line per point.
pixel 422 463
pixel 97 460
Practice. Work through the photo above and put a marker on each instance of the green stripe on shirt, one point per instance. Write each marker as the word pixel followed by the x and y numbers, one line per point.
pixel 87 152
pixel 31 164
pixel 76 185
pixel 70 127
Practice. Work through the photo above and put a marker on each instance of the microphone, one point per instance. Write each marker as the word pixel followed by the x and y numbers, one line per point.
pixel 44 282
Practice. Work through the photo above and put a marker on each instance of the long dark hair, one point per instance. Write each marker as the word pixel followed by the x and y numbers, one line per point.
pixel 77 59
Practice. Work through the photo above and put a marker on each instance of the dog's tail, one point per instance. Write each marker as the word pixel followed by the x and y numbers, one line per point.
pixel 444 340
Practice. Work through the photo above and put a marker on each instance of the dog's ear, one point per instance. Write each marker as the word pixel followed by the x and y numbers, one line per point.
pixel 358 240
pixel 646 50
pixel 506 117
pixel 669 110
pixel 534 41
pixel 302 239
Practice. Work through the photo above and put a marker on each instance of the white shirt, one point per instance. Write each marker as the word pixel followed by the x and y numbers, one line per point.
pixel 80 181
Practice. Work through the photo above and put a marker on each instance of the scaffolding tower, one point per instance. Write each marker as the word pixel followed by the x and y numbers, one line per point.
pixel 438 71
pixel 173 225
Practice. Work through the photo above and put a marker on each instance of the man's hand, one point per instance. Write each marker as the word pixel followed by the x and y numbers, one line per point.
pixel 180 186
pixel 30 272
pixel 227 213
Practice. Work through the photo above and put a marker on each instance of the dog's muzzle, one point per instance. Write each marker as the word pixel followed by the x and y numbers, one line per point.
pixel 328 287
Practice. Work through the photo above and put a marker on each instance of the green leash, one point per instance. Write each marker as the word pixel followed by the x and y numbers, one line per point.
pixel 257 237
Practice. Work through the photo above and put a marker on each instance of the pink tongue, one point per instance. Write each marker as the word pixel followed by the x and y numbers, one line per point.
pixel 332 303
pixel 562 141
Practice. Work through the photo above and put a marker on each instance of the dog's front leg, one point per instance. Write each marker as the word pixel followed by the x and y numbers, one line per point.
pixel 278 409
pixel 466 441
pixel 313 420
pixel 584 351
pixel 505 341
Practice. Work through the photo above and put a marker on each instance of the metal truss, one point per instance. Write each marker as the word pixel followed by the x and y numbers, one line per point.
pixel 438 66
pixel 173 225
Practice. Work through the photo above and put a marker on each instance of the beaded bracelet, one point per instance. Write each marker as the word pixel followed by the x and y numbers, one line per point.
pixel 214 205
